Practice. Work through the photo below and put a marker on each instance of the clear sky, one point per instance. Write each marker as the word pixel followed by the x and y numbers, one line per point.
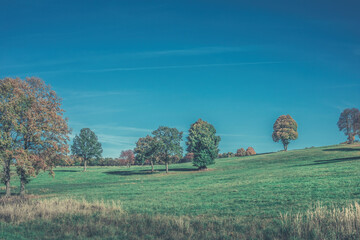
pixel 123 68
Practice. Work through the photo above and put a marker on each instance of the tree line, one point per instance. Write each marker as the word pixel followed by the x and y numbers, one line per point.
pixel 34 136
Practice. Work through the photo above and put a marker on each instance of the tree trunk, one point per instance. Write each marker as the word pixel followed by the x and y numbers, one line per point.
pixel 285 147
pixel 152 166
pixel 7 185
pixel 22 187
pixel 7 176
pixel 351 138
pixel 85 161
pixel 167 167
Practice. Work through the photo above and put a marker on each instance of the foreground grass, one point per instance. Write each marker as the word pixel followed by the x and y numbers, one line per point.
pixel 71 219
pixel 236 198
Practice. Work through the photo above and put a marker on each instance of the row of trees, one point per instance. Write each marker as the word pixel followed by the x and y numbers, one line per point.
pixel 164 146
pixel 239 153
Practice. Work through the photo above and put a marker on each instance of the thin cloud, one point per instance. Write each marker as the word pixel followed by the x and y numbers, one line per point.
pixel 117 140
pixel 93 94
pixel 178 66
pixel 193 51
pixel 121 128
pixel 240 135
pixel 170 52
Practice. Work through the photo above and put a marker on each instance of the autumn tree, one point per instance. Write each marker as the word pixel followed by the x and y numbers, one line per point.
pixel 38 133
pixel 86 146
pixel 349 123
pixel 250 151
pixel 285 130
pixel 203 143
pixel 128 156
pixel 240 152
pixel 169 140
pixel 147 149
pixel 188 157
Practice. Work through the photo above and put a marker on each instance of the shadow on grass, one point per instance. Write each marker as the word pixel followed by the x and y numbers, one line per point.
pixel 337 160
pixel 342 150
pixel 65 171
pixel 147 172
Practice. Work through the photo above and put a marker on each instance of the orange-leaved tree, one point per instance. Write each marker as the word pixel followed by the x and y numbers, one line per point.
pixel 285 130
pixel 38 131
pixel 250 151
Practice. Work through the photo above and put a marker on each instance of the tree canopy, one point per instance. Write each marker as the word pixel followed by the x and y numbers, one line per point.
pixel 203 143
pixel 285 130
pixel 86 146
pixel 147 149
pixel 169 147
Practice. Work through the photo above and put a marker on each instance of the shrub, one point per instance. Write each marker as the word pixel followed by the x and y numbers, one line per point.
pixel 250 151
pixel 240 152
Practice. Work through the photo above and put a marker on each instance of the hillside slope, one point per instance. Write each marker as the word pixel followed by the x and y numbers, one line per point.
pixel 261 185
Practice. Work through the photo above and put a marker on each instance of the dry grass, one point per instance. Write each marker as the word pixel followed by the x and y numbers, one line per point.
pixel 17 209
pixel 322 222
pixel 73 219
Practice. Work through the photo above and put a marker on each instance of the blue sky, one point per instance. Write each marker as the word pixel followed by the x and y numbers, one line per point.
pixel 123 68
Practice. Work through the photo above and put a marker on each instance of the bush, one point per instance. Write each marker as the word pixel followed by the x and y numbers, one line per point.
pixel 250 151
pixel 240 152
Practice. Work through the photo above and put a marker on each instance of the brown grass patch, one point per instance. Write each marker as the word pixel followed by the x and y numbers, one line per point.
pixel 18 209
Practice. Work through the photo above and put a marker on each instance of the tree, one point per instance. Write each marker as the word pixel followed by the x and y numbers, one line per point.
pixel 86 146
pixel 285 130
pixel 349 123
pixel 203 143
pixel 240 152
pixel 147 149
pixel 128 156
pixel 250 151
pixel 36 138
pixel 169 148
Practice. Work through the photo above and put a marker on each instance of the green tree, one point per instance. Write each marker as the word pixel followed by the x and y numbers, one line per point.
pixel 349 123
pixel 203 143
pixel 86 146
pixel 169 144
pixel 285 130
pixel 147 149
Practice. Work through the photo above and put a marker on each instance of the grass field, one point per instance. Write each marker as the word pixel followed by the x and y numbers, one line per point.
pixel 256 189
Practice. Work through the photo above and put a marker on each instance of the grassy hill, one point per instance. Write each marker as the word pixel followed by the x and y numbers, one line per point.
pixel 248 189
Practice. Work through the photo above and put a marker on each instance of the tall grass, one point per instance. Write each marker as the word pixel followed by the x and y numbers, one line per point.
pixel 72 219
pixel 19 209
pixel 322 222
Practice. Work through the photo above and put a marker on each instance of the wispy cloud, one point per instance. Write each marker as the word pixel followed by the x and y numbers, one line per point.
pixel 120 69
pixel 240 135
pixel 121 128
pixel 177 66
pixel 120 141
pixel 93 94
pixel 193 51
pixel 147 54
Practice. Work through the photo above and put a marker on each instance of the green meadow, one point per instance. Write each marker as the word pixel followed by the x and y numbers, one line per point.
pixel 256 188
